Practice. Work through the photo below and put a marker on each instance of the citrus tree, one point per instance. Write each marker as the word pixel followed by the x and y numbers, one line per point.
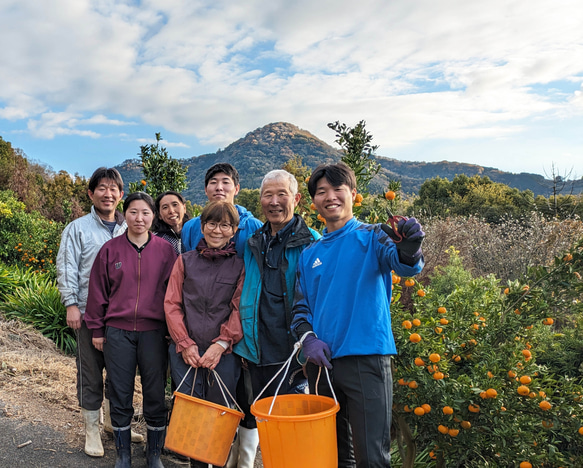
pixel 472 388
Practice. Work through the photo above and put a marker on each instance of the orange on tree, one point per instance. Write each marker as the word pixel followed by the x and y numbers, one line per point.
pixel 419 361
pixel 548 321
pixel 473 408
pixel 525 464
pixel 416 322
pixel 406 409
pixel 511 374
pixel 525 380
pixel 545 405
pixel 527 354
pixel 413 384
pixel 419 411
pixel 466 424
pixel 396 279
pixel 407 324
pixel 415 338
pixel 441 310
pixel 523 390
pixel 453 432
pixel 443 321
pixel 580 430
pixel 390 195
pixel 568 258
pixel 507 291
pixel 426 407
pixel 421 293
pixel 441 428
pixel 358 198
pixel 438 375
pixel 491 393
pixel 447 410
pixel 434 357
pixel 409 282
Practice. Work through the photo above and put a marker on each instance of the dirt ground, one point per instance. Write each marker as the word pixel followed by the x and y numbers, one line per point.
pixel 40 421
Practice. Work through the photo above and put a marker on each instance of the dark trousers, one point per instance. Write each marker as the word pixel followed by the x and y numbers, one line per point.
pixel 364 389
pixel 90 365
pixel 294 380
pixel 206 387
pixel 123 351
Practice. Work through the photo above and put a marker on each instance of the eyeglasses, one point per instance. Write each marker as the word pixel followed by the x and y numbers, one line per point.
pixel 225 227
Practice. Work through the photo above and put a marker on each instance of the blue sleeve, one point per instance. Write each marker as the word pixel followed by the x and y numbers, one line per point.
pixel 191 234
pixel 301 315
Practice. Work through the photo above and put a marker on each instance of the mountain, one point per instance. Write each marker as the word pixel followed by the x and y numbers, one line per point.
pixel 269 147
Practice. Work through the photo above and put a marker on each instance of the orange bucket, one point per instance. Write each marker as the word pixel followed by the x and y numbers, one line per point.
pixel 299 432
pixel 201 430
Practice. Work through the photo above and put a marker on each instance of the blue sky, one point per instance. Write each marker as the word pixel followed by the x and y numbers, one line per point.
pixel 84 83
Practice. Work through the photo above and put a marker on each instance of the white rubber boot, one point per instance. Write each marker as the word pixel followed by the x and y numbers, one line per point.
pixel 248 442
pixel 107 427
pixel 234 453
pixel 93 445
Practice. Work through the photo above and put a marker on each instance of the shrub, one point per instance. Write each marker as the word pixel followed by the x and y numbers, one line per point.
pixel 38 303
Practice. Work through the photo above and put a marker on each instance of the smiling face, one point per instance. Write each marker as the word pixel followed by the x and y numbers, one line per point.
pixel 278 203
pixel 334 203
pixel 139 217
pixel 220 187
pixel 172 211
pixel 218 233
pixel 105 198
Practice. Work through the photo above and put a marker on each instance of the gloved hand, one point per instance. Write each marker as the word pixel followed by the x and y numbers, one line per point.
pixel 409 247
pixel 316 351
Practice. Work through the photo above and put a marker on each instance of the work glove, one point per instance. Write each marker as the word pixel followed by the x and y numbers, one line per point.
pixel 316 351
pixel 409 245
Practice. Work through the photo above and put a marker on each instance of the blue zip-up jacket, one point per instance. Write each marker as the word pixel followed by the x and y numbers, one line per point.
pixel 248 224
pixel 300 238
pixel 343 290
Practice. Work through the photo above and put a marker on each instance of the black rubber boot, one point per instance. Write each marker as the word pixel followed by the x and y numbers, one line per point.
pixel 123 444
pixel 154 444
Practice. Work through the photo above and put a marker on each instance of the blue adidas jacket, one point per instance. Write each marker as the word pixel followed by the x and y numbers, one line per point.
pixel 343 290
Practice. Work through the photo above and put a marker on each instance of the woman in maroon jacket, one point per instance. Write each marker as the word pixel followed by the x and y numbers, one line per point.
pixel 202 308
pixel 125 310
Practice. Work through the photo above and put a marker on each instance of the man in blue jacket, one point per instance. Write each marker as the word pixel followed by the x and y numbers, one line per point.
pixel 221 182
pixel 341 313
pixel 271 257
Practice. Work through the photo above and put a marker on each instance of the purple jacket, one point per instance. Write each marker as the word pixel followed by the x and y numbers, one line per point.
pixel 127 287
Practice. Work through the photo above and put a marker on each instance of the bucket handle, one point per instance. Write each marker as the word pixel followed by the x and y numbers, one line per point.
pixel 286 364
pixel 222 387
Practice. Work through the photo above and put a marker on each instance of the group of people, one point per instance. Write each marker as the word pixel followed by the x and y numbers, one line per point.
pixel 225 293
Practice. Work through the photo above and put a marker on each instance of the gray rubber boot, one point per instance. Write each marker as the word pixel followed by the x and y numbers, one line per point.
pixel 93 445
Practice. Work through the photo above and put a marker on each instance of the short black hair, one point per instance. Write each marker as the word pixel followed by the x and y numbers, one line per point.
pixel 336 175
pixel 221 167
pixel 105 173
pixel 139 196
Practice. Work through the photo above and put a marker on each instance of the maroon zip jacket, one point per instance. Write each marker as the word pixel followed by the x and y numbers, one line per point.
pixel 127 285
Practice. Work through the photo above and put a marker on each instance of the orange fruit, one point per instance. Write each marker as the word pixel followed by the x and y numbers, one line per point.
pixel 525 380
pixel 475 326
pixel 415 338
pixel 548 321
pixel 523 390
pixel 442 310
pixel 358 198
pixel 525 464
pixel 466 424
pixel 419 362
pixel 407 324
pixel 401 381
pixel 456 358
pixel 491 393
pixel 421 293
pixel 419 411
pixel 473 408
pixel 407 409
pixel 441 428
pixel 396 279
pixel 527 354
pixel 545 405
pixel 434 357
pixel 532 395
pixel 580 431
pixel 438 330
pixel 483 395
pixel 453 432
pixel 490 375
pixel 426 407
pixel 443 321
pixel 313 207
pixel 447 410
pixel 390 195
pixel 568 258
pixel 410 282
pixel 413 384
pixel 432 455
pixel 506 291
pixel 416 322
pixel 438 375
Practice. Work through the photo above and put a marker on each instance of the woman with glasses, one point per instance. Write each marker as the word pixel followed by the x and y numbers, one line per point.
pixel 202 308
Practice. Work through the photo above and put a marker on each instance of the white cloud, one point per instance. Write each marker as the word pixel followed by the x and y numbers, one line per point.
pixel 413 69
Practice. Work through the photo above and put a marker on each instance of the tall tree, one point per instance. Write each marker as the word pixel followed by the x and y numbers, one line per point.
pixel 161 171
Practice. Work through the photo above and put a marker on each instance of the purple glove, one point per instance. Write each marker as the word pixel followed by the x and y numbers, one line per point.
pixel 316 351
